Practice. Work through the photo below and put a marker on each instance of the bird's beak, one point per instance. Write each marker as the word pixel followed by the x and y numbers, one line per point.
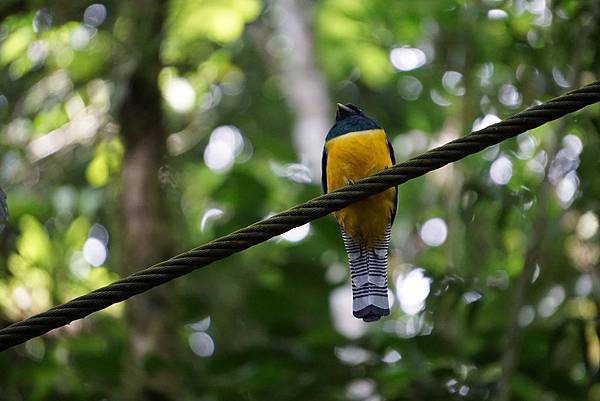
pixel 343 109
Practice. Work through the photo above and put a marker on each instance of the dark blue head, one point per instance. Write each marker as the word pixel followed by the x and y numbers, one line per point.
pixel 349 118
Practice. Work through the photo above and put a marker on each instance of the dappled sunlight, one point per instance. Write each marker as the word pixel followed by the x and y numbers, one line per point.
pixel 340 303
pixel 587 225
pixel 407 58
pixel 560 78
pixel 226 142
pixel 583 254
pixel 496 14
pixel 297 234
pixel 527 146
pixel 199 341
pixel 94 15
pixel 201 344
pixel 208 216
pixel 501 170
pixel 179 94
pixel 526 315
pixel 485 121
pixel 410 88
pixel 434 232
pixel 361 389
pixel 42 20
pixel 412 289
pixel 537 165
pixel 81 37
pixel 584 285
pixel 470 297
pixel 550 303
pixel 509 96
pixel 392 356
pixel 79 265
pixel 352 355
pixel 566 189
pixel 94 252
pixel 453 83
pixel 439 99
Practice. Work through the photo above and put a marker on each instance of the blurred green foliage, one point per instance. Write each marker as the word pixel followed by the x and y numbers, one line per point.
pixel 428 71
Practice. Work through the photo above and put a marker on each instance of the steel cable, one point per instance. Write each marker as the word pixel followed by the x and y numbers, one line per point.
pixel 320 206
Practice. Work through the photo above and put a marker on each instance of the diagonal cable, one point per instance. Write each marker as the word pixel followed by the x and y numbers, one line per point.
pixel 320 206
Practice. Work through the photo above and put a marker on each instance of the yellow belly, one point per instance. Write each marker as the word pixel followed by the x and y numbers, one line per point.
pixel 351 157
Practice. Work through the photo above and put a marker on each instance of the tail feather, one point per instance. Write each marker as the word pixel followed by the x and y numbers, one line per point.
pixel 368 270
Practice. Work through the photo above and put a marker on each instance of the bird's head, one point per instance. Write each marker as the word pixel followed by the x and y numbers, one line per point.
pixel 349 118
pixel 346 110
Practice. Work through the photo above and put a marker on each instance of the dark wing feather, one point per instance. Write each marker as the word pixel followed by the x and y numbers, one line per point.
pixel 324 171
pixel 393 157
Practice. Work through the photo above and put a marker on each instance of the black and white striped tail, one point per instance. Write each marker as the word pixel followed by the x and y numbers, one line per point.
pixel 368 270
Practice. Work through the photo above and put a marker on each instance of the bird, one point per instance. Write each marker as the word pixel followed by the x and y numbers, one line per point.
pixel 356 147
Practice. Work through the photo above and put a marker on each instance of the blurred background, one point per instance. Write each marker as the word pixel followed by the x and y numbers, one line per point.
pixel 133 130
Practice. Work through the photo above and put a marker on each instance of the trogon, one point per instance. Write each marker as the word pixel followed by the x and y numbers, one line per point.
pixel 356 147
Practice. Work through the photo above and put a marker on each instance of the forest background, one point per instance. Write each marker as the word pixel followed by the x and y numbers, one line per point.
pixel 133 130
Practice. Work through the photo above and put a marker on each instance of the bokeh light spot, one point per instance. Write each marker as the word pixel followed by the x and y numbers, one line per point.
pixel 526 315
pixel 501 170
pixel 567 188
pixel 550 303
pixel 509 96
pixel 297 234
pixel 94 251
pixel 587 226
pixel 179 94
pixel 209 215
pixel 42 20
pixel 391 357
pixel 434 232
pixel 360 389
pixel 407 58
pixel 201 344
pixel 412 289
pixel 485 121
pixel 94 15
pixel 470 297
pixel 226 142
pixel 452 82
pixel 584 285
pixel 340 305
pixel 410 88
pixel 496 14
pixel 201 325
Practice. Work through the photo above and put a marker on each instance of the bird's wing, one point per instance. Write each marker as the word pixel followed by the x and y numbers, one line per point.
pixel 324 171
pixel 393 157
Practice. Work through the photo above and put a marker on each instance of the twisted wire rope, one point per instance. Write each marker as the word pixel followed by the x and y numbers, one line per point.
pixel 320 206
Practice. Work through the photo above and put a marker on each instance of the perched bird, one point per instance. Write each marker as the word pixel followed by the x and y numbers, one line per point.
pixel 355 147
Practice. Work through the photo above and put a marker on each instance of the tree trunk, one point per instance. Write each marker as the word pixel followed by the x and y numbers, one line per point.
pixel 146 235
pixel 304 84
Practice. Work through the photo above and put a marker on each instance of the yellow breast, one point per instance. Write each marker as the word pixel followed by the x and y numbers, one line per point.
pixel 351 157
